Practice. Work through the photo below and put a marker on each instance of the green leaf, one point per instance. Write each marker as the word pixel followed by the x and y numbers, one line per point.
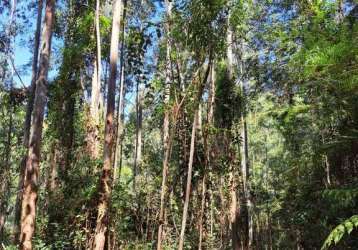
pixel 337 233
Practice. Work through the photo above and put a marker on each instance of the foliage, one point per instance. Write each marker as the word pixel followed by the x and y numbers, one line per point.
pixel 336 235
pixel 297 61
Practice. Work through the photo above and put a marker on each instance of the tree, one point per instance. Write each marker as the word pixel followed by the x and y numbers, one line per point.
pixel 29 198
pixel 120 105
pixel 166 125
pixel 27 123
pixel 96 87
pixel 105 184
pixel 188 182
pixel 237 119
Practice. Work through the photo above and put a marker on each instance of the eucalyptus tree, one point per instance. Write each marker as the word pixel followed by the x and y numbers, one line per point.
pixel 27 123
pixel 28 211
pixel 106 177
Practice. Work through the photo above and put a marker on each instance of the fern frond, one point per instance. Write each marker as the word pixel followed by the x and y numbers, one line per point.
pixel 336 235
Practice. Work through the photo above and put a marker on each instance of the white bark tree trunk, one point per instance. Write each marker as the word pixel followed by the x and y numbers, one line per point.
pixel 188 182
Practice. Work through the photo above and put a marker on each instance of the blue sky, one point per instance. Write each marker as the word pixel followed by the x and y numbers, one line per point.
pixel 23 48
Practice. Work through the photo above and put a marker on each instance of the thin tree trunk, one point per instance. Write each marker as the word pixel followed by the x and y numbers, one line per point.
pixel 120 107
pixel 166 139
pixel 28 214
pixel 188 183
pixel 29 106
pixel 27 123
pixel 199 81
pixel 327 165
pixel 266 176
pixel 105 184
pixel 207 148
pixel 138 134
pixel 167 146
pixel 93 124
pixel 210 119
pixel 202 211
pixel 120 129
pixel 223 211
pixel 328 170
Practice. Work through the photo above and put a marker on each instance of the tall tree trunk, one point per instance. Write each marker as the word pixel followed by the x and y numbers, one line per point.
pixel 138 134
pixel 210 122
pixel 188 183
pixel 199 82
pixel 120 107
pixel 34 73
pixel 244 151
pixel 207 149
pixel 105 184
pixel 27 123
pixel 120 128
pixel 29 199
pixel 234 210
pixel 166 141
pixel 96 89
pixel 223 209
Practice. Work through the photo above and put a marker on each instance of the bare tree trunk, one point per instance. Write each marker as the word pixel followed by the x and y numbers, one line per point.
pixel 105 184
pixel 202 211
pixel 328 170
pixel 244 151
pixel 34 73
pixel 212 96
pixel 166 140
pixel 96 89
pixel 167 146
pixel 27 123
pixel 28 211
pixel 92 139
pixel 120 107
pixel 210 119
pixel 188 183
pixel 138 135
pixel 327 165
pixel 120 129
pixel 96 92
pixel 223 211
